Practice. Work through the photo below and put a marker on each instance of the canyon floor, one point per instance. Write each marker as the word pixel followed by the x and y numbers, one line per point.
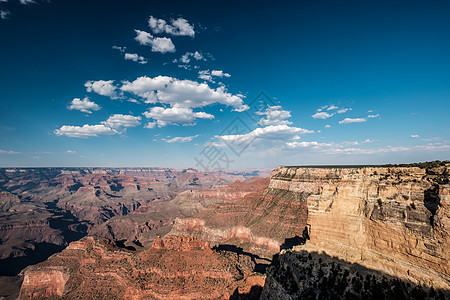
pixel 302 232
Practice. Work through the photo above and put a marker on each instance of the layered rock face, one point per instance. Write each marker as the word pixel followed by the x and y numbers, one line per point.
pixel 259 223
pixel 173 268
pixel 60 205
pixel 394 220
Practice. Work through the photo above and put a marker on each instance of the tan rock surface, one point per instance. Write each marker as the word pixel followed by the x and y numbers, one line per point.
pixel 394 220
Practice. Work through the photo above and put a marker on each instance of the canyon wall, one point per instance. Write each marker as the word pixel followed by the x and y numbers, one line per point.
pixel 394 220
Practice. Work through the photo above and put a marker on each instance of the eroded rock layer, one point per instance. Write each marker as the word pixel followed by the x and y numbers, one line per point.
pixel 394 220
pixel 174 268
pixel 259 223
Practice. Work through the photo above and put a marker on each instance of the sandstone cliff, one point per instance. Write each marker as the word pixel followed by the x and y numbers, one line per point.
pixel 394 220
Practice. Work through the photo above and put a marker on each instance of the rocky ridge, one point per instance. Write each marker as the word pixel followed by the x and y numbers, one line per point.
pixel 394 220
pixel 174 268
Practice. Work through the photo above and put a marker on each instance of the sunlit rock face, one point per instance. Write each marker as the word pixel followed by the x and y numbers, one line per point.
pixel 177 267
pixel 394 220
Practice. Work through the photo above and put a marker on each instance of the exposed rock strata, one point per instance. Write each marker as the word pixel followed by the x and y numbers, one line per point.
pixel 394 220
pixel 173 268
pixel 259 223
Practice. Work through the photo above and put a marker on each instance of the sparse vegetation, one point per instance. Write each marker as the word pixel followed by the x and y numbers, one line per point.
pixel 380 202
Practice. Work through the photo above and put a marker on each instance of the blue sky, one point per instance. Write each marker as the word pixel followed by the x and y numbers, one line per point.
pixel 139 83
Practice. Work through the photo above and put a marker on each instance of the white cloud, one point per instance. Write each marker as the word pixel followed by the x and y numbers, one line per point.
pixel 322 115
pixel 178 27
pixel 8 152
pixel 84 105
pixel 274 133
pixel 208 76
pixel 314 145
pixel 180 139
pixel 350 120
pixel 136 58
pixel 414 136
pixel 327 126
pixel 151 125
pixel 4 14
pixel 121 49
pixel 102 87
pixel 203 75
pixel 158 44
pixel 85 131
pixel 219 73
pixel 25 2
pixel 119 121
pixel 274 115
pixel 343 110
pixel 373 116
pixel 186 58
pixel 174 115
pixel 186 93
pixel 71 152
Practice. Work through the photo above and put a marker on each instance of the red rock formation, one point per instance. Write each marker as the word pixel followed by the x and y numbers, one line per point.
pixel 174 268
pixel 259 223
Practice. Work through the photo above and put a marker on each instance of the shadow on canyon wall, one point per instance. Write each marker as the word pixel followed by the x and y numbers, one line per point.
pixel 61 220
pixel 304 275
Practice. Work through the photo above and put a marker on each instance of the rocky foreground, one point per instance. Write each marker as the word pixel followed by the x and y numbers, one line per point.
pixel 173 268
pixel 370 233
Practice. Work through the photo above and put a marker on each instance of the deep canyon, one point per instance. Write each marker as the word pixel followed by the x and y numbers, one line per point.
pixel 302 232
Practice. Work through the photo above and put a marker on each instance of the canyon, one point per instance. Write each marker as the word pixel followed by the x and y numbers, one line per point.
pixel 356 232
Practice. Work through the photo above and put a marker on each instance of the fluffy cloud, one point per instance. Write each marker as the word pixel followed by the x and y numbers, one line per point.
pixel 327 126
pixel 131 56
pixel 350 120
pixel 273 133
pixel 71 152
pixel 414 136
pixel 174 115
pixel 8 152
pixel 186 93
pixel 102 87
pixel 208 76
pixel 84 105
pixel 322 115
pixel 119 121
pixel 180 139
pixel 343 110
pixel 178 27
pixel 332 110
pixel 136 58
pixel 186 58
pixel 158 44
pixel 85 131
pixel 274 115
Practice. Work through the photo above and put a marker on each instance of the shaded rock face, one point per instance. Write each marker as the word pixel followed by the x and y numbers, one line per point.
pixel 259 223
pixel 174 268
pixel 394 220
pixel 303 275
pixel 54 206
